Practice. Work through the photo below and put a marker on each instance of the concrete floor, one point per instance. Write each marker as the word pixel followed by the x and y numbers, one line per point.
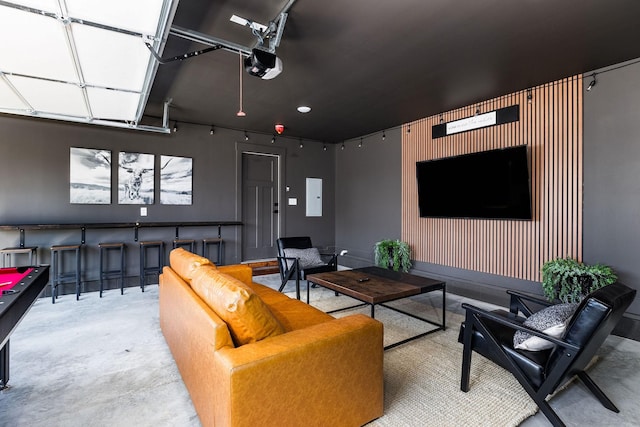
pixel 63 373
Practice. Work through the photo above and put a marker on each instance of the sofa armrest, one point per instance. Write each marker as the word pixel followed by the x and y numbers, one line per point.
pixel 296 376
pixel 242 272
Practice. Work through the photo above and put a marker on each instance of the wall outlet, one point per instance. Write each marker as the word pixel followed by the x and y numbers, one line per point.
pixel 143 211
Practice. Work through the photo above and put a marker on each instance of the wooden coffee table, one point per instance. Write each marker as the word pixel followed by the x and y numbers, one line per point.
pixel 377 286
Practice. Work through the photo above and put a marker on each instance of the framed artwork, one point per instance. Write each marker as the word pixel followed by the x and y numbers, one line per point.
pixel 176 180
pixel 135 178
pixel 89 176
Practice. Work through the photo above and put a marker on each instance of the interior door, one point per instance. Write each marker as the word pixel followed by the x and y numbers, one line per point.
pixel 259 205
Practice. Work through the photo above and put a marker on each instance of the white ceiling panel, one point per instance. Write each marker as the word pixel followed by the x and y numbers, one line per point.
pixel 34 45
pixel 111 59
pixel 8 98
pixel 51 97
pixel 139 16
pixel 51 6
pixel 80 60
pixel 113 105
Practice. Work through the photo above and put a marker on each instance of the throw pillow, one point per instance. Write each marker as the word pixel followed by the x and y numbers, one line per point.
pixel 551 320
pixel 246 315
pixel 309 257
pixel 186 263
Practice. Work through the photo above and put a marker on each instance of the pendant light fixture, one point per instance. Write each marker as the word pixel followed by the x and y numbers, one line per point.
pixel 240 113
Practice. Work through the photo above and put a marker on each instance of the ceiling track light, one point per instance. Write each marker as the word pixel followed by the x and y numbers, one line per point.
pixel 441 119
pixel 246 136
pixel 301 144
pixel 273 139
pixel 175 127
pixel 324 147
pixel 477 111
pixel 592 84
pixel 529 96
pixel 384 136
pixel 360 143
pixel 212 131
pixel 342 147
pixel 409 128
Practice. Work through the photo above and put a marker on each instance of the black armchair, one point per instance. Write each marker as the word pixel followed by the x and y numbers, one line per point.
pixel 297 259
pixel 541 372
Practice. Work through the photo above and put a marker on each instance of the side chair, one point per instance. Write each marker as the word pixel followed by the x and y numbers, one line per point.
pixel 541 372
pixel 297 258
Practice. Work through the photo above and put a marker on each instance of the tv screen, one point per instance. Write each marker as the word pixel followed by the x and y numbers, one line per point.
pixel 489 184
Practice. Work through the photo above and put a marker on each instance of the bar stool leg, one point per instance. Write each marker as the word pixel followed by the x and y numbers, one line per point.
pixel 78 282
pixel 219 242
pixel 53 276
pixel 106 272
pixel 153 269
pixel 142 267
pixel 101 270
pixel 122 271
pixel 58 275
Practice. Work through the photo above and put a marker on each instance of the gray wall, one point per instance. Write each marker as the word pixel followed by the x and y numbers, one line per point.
pixel 368 209
pixel 368 199
pixel 34 184
pixel 368 195
pixel 612 174
pixel 362 186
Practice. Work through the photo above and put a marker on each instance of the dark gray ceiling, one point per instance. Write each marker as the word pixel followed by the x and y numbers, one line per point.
pixel 364 65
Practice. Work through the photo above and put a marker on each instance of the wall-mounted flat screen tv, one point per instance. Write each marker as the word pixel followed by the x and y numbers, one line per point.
pixel 490 184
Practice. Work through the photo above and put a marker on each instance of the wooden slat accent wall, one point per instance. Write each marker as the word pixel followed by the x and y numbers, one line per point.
pixel 552 126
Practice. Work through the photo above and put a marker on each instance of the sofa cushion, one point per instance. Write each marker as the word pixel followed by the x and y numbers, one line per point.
pixel 294 314
pixel 247 316
pixel 551 320
pixel 186 263
pixel 268 295
pixel 309 257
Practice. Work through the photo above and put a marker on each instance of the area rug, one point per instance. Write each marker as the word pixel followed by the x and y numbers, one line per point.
pixel 422 377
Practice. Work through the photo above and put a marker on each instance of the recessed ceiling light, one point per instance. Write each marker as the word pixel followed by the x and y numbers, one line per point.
pixel 304 109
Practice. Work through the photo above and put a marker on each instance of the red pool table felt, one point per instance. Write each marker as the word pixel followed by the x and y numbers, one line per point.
pixel 9 277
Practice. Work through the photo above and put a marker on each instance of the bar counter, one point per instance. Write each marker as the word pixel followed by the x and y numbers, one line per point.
pixel 135 226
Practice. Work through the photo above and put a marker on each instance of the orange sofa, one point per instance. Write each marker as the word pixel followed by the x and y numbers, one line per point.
pixel 276 361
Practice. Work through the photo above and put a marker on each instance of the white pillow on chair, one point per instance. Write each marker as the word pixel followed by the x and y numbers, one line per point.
pixel 551 321
pixel 309 257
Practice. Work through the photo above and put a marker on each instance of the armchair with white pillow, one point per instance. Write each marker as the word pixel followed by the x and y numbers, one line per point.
pixel 297 258
pixel 544 348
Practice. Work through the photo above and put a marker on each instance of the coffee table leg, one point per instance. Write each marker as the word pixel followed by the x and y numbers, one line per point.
pixel 373 311
pixel 444 305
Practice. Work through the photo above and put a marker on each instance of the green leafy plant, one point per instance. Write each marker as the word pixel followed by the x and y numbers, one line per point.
pixel 570 281
pixel 394 254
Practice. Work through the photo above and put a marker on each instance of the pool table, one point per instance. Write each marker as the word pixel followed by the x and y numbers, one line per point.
pixel 19 289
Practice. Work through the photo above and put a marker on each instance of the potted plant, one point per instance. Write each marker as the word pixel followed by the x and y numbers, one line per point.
pixel 394 254
pixel 570 280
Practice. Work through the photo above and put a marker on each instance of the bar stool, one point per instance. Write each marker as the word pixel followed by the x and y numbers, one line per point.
pixel 115 273
pixel 146 269
pixel 213 241
pixel 57 272
pixel 188 244
pixel 8 253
